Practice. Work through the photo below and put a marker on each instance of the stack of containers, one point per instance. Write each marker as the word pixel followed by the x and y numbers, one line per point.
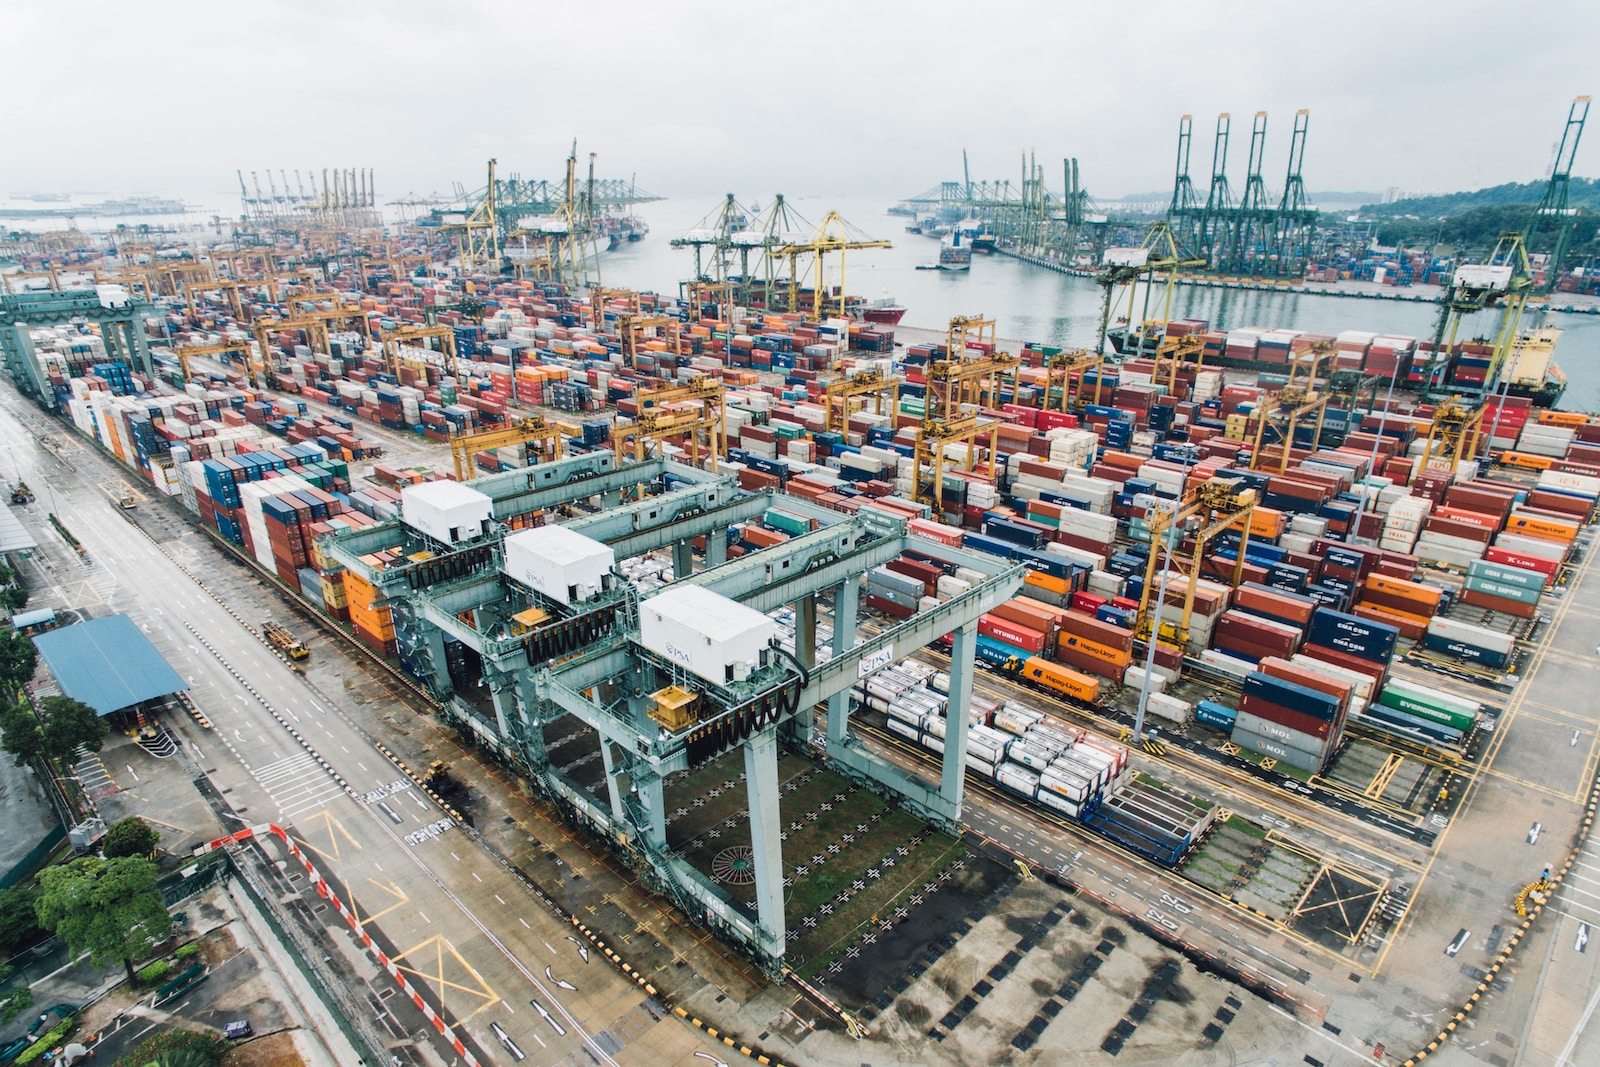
pixel 1431 714
pixel 894 593
pixel 1405 605
pixel 1351 642
pixel 1545 439
pixel 1092 645
pixel 1292 715
pixel 1403 523
pixel 1511 590
pixel 1476 644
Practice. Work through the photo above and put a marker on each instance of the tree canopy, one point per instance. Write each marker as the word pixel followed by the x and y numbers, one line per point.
pixel 67 724
pixel 130 837
pixel 111 909
pixel 18 658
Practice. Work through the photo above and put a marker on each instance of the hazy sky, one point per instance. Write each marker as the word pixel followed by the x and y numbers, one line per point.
pixel 820 97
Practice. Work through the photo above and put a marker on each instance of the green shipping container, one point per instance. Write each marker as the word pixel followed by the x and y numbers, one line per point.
pixel 783 520
pixel 1426 710
pixel 1501 589
pixel 1493 572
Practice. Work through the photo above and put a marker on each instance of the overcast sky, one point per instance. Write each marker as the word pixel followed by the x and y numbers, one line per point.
pixel 820 97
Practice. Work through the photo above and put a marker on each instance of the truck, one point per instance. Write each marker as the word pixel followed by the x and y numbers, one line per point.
pixel 284 641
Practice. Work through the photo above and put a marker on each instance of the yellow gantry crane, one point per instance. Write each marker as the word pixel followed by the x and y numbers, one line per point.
pixel 1453 435
pixel 1126 266
pixel 841 396
pixel 477 230
pixel 411 336
pixel 695 411
pixel 1058 372
pixel 833 236
pixel 1298 403
pixel 600 297
pixel 533 430
pixel 1205 513
pixel 635 330
pixel 185 352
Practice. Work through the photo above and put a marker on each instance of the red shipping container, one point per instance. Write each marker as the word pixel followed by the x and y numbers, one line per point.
pixel 1289 672
pixel 1012 634
pixel 1498 603
pixel 1507 558
pixel 1103 633
pixel 1298 721
pixel 1041 618
pixel 1376 671
pixel 1090 602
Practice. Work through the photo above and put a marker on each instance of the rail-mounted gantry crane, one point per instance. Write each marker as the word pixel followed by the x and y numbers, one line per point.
pixel 1205 513
pixel 410 336
pixel 547 435
pixel 695 412
pixel 841 397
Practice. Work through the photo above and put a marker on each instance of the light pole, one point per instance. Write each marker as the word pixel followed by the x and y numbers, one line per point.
pixel 1383 420
pixel 1160 602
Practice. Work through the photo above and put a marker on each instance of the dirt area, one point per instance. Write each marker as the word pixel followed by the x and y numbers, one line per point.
pixel 218 946
pixel 273 1050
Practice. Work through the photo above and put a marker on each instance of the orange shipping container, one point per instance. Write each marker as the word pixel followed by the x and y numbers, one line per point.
pixel 1111 657
pixel 1543 529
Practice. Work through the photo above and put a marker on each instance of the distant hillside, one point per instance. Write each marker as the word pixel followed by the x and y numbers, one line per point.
pixel 1473 221
pixel 1585 192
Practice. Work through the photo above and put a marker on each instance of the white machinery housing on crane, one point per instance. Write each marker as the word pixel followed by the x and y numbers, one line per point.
pixel 562 564
pixel 710 635
pixel 446 511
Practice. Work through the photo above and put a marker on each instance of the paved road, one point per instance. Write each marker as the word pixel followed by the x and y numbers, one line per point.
pixel 471 935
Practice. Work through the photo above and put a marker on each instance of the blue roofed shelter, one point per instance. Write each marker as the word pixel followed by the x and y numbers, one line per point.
pixel 107 664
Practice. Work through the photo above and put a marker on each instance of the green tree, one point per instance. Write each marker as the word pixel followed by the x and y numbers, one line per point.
pixel 67 724
pixel 19 924
pixel 111 909
pixel 130 837
pixel 18 658
pixel 13 1001
pixel 178 1048
pixel 21 734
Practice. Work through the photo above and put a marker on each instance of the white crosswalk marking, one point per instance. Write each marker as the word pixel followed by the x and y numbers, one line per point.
pixel 296 783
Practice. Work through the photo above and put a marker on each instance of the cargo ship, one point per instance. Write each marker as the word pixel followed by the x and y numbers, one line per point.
pixel 1530 371
pixel 954 254
pixel 886 311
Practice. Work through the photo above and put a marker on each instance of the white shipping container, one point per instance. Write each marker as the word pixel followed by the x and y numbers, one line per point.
pixel 1170 708
pixel 1478 636
pixel 1018 778
pixel 1069 808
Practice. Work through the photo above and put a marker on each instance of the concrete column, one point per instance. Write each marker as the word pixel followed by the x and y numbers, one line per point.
pixel 846 598
pixel 433 645
pixel 652 797
pixel 532 734
pixel 619 816
pixel 805 630
pixel 953 776
pixel 761 784
pixel 716 548
pixel 682 560
pixel 505 705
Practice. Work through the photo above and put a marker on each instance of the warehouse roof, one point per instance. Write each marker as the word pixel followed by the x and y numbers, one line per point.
pixel 107 664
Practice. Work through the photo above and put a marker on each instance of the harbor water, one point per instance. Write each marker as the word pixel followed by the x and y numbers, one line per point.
pixel 1032 303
